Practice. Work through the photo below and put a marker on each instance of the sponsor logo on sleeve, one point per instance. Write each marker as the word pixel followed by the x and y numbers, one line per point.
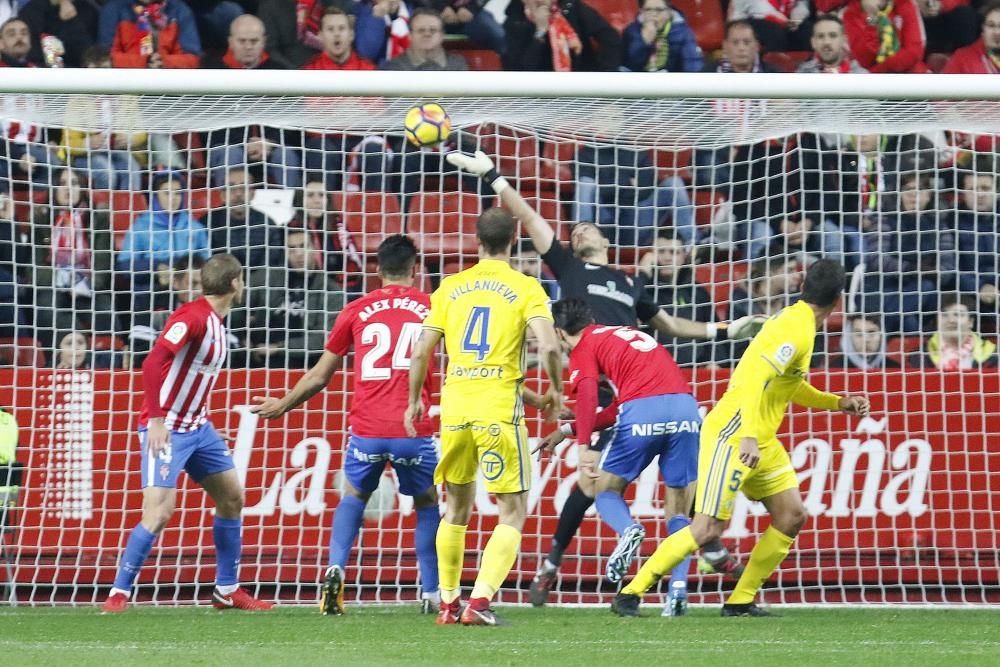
pixel 176 333
pixel 785 353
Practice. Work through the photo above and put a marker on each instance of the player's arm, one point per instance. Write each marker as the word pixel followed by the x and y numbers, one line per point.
pixel 310 384
pixel 419 363
pixel 550 355
pixel 809 396
pixel 541 233
pixel 678 327
pixel 157 435
pixel 758 370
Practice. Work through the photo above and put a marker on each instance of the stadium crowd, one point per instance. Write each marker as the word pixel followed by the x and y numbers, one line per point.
pixel 102 233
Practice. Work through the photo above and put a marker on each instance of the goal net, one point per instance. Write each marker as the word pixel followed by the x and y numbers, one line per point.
pixel 719 200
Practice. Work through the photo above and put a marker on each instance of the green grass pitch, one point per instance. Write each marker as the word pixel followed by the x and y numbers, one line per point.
pixel 379 636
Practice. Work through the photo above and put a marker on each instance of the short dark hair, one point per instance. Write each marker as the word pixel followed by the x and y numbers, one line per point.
pixel 185 262
pixel 495 230
pixel 526 245
pixel 950 299
pixel 824 282
pixel 989 8
pixel 14 19
pixel 426 11
pixel 337 11
pixel 218 274
pixel 572 315
pixel 867 317
pixel 740 23
pixel 95 55
pixel 828 17
pixel 396 256
pixel 669 234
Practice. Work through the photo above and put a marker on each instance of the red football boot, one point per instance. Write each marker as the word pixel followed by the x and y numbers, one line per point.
pixel 115 604
pixel 449 612
pixel 239 599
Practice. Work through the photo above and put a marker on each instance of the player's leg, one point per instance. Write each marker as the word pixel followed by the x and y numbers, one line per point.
pixel 414 460
pixel 211 466
pixel 505 463
pixel 777 486
pixel 676 504
pixel 457 471
pixel 159 497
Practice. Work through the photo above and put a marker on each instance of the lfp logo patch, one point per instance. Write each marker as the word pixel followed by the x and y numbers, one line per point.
pixel 492 465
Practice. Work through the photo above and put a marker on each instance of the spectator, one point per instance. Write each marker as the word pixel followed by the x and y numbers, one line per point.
pixel 546 36
pixel 343 259
pixel 948 24
pixel 621 190
pixel 982 57
pixel 780 25
pixel 862 345
pixel 467 17
pixel 241 230
pixel 903 252
pixel 267 152
pixel 805 237
pixel 161 236
pixel 830 52
pixel 740 51
pixel 426 52
pixel 670 281
pixel 74 352
pixel 529 262
pixel 214 19
pixel 660 40
pixel 246 47
pixel 293 28
pixel 383 29
pixel 336 34
pixel 16 44
pixel 148 34
pixel 886 36
pixel 772 283
pixel 107 158
pixel 955 345
pixel 72 22
pixel 185 287
pixel 977 226
pixel 293 308
pixel 14 297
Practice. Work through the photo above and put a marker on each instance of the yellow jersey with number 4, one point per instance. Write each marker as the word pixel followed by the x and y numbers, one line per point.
pixel 483 313
pixel 771 373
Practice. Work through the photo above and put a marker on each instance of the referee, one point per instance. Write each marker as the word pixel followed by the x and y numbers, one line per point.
pixel 615 298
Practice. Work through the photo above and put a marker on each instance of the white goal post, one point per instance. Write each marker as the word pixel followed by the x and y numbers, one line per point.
pixel 718 188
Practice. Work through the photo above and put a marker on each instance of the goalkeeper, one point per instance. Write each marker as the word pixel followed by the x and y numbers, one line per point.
pixel 615 298
pixel 739 450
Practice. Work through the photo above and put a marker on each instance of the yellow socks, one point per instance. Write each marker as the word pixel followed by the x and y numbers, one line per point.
pixel 498 558
pixel 765 558
pixel 451 554
pixel 671 551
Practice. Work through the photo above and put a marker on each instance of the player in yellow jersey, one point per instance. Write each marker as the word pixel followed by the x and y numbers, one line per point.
pixel 484 314
pixel 739 450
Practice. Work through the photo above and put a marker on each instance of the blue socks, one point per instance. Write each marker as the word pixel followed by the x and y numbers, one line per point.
pixel 428 519
pixel 228 536
pixel 140 543
pixel 614 510
pixel 347 520
pixel 679 575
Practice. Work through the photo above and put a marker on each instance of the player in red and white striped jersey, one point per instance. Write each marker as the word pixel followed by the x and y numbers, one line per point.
pixel 175 434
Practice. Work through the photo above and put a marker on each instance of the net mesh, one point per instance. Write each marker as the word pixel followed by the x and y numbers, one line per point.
pixel 719 204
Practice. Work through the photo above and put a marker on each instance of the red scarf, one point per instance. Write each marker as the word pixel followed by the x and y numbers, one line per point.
pixel 229 60
pixel 563 39
pixel 843 68
pixel 308 16
pixel 952 358
pixel 398 33
pixel 150 19
pixel 69 248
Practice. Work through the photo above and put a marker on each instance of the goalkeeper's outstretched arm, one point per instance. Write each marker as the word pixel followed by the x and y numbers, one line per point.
pixel 540 231
pixel 678 327
pixel 315 379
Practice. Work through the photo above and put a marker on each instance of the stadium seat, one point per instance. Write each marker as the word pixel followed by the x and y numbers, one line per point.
pixel 616 12
pixel 515 153
pixel 706 19
pixel 720 279
pixel 786 61
pixel 706 202
pixel 481 60
pixel 26 202
pixel 124 206
pixel 900 348
pixel 672 162
pixel 21 352
pixel 369 216
pixel 205 200
pixel 554 212
pixel 556 167
pixel 444 224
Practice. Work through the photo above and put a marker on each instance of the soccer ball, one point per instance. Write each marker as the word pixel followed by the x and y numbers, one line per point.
pixel 427 124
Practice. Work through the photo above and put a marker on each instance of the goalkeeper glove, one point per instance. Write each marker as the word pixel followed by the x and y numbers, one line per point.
pixel 481 165
pixel 743 327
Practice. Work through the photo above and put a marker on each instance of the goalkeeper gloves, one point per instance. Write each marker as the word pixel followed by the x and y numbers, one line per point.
pixel 741 328
pixel 481 165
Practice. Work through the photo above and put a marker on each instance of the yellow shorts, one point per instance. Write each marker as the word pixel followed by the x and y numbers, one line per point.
pixel 499 450
pixel 721 475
